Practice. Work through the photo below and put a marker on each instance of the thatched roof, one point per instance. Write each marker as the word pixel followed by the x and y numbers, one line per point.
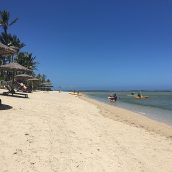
pixel 33 79
pixel 5 50
pixel 23 76
pixel 46 84
pixel 13 67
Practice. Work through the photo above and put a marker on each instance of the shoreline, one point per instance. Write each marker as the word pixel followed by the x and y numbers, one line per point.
pixel 130 117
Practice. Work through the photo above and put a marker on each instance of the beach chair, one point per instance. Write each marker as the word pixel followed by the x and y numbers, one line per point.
pixel 12 92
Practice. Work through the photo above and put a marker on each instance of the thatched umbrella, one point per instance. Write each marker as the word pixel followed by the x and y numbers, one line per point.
pixel 13 67
pixel 32 80
pixel 46 86
pixel 24 76
pixel 5 50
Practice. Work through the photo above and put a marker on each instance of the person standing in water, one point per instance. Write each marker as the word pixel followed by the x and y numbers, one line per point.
pixel 115 97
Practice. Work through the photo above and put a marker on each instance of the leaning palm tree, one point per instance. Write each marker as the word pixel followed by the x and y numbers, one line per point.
pixel 5 20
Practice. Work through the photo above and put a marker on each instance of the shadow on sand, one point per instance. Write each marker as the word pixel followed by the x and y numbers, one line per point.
pixel 5 107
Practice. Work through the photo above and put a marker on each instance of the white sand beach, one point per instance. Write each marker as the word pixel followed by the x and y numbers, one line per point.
pixel 59 132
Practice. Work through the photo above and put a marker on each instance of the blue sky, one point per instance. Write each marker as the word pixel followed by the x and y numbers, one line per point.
pixel 98 44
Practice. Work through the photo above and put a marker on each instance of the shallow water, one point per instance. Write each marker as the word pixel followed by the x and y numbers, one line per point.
pixel 158 106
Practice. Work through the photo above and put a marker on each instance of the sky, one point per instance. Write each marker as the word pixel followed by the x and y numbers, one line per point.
pixel 97 44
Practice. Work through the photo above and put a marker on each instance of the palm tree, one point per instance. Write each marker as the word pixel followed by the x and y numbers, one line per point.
pixel 44 78
pixel 26 59
pixel 38 76
pixel 4 20
pixel 48 80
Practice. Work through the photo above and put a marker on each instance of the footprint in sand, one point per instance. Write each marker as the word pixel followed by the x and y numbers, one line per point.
pixel 29 138
pixel 18 152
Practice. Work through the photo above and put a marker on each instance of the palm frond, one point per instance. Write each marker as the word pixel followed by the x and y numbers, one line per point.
pixel 14 21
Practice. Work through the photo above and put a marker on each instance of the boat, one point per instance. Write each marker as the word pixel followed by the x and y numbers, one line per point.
pixel 131 94
pixel 142 97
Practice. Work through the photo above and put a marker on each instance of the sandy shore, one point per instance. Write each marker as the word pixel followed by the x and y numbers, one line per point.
pixel 131 118
pixel 57 132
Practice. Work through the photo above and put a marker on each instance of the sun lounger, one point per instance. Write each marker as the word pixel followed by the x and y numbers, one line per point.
pixel 12 92
pixel 20 87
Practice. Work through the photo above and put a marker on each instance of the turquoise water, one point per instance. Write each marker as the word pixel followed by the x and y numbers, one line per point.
pixel 158 106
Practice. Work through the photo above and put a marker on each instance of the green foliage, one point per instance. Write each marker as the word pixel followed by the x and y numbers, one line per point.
pixel 26 59
pixel 42 78
pixel 1 78
pixel 11 40
pixel 4 20
pixel 48 80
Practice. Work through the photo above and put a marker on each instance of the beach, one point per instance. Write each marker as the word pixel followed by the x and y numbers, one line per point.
pixel 52 131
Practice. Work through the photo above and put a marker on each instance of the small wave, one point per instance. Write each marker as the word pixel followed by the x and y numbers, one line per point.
pixel 142 113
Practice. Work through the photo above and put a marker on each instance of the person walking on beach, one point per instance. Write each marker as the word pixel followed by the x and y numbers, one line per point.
pixel 59 89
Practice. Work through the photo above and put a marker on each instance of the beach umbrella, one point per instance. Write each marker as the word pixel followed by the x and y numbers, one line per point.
pixel 5 50
pixel 13 67
pixel 23 76
pixel 46 86
pixel 32 80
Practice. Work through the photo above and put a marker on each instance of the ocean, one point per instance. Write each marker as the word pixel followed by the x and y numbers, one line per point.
pixel 158 106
